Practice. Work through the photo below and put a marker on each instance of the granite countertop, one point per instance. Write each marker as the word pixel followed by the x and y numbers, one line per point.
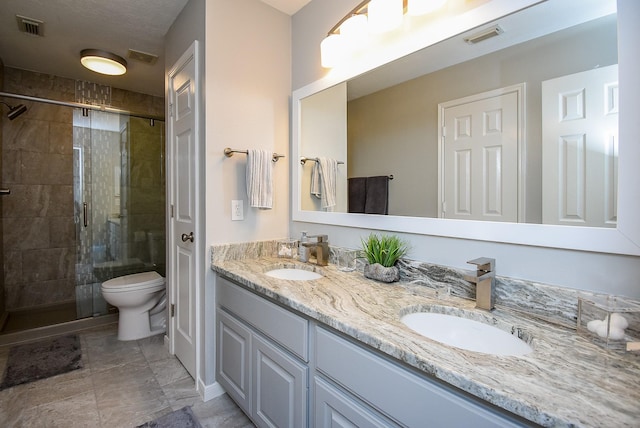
pixel 565 381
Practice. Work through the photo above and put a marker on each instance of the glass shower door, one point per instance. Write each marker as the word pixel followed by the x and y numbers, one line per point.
pixel 96 197
pixel 119 190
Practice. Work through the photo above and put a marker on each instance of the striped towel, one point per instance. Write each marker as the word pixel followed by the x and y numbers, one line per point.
pixel 260 178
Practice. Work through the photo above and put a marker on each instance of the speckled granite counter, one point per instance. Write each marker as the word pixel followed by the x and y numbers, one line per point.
pixel 566 381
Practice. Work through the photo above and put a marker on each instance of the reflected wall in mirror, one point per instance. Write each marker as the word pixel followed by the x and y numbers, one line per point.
pixel 398 129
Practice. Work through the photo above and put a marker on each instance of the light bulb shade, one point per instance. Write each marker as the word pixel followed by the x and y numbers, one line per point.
pixel 422 7
pixel 355 28
pixel 103 62
pixel 331 50
pixel 354 34
pixel 384 15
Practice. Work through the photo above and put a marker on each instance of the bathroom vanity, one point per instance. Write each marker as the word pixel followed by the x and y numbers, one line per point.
pixel 334 351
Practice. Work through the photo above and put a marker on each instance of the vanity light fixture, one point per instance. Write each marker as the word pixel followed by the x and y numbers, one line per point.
pixel 103 62
pixel 370 17
pixel 422 7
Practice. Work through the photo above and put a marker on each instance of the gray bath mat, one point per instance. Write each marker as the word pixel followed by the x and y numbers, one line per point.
pixel 183 418
pixel 40 360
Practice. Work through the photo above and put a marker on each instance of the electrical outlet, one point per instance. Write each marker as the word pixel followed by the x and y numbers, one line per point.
pixel 237 212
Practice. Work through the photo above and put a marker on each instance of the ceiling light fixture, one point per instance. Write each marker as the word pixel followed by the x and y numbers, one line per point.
pixel 370 17
pixel 103 62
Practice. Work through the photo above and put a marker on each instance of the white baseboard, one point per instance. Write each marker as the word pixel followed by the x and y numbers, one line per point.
pixel 209 392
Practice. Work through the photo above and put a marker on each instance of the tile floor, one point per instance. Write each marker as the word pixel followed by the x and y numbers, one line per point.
pixel 121 384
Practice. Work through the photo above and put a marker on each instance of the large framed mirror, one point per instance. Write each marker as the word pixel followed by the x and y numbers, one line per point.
pixel 388 121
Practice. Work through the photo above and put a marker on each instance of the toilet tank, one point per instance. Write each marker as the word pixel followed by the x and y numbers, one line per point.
pixel 157 246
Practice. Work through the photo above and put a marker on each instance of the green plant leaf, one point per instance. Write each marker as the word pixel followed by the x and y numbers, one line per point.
pixel 385 250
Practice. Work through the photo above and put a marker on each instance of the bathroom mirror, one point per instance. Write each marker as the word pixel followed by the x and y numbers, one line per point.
pixel 531 28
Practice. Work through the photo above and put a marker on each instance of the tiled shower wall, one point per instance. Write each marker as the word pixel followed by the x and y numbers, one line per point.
pixel 37 164
pixel 146 183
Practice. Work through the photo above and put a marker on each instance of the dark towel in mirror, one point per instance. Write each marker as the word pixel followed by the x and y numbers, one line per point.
pixel 377 200
pixel 357 194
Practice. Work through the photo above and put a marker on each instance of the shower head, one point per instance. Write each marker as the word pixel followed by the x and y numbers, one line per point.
pixel 15 111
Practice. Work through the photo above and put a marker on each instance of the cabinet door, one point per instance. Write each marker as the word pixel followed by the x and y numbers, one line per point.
pixel 280 387
pixel 335 409
pixel 234 368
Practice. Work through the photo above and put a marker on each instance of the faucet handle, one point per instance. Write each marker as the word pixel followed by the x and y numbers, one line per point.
pixel 484 264
pixel 320 238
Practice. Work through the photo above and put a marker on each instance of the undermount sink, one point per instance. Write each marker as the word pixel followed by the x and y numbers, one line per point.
pixel 466 334
pixel 293 274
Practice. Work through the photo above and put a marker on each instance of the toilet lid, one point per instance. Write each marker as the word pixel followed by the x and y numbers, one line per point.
pixel 134 281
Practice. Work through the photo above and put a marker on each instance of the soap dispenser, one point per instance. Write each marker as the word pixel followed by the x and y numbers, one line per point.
pixel 303 251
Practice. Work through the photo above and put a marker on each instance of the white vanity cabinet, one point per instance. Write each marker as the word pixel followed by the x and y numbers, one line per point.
pixel 287 371
pixel 262 359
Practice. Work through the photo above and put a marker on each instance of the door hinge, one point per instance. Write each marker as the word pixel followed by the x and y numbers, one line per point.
pixel 173 310
pixel 444 207
pixel 171 210
pixel 444 131
pixel 170 109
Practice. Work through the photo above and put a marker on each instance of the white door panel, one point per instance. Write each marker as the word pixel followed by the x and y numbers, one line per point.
pixel 479 164
pixel 579 159
pixel 184 140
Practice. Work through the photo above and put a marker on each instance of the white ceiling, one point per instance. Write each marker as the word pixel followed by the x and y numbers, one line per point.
pixel 112 25
pixel 287 6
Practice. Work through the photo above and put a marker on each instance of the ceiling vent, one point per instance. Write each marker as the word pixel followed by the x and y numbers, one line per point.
pixel 147 58
pixel 31 26
pixel 484 35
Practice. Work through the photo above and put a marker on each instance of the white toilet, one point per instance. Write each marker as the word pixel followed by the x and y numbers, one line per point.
pixel 141 301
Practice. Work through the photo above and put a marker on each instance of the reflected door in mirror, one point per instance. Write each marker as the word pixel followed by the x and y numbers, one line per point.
pixel 580 154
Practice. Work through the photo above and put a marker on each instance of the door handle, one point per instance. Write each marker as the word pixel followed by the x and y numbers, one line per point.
pixel 84 214
pixel 188 237
pixel 5 191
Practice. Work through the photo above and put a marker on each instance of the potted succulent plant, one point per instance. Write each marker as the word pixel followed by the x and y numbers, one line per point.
pixel 382 253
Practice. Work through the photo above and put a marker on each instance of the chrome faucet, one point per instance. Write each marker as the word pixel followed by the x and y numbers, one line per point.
pixel 322 249
pixel 485 279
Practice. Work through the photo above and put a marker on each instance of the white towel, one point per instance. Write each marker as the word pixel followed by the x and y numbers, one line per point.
pixel 260 178
pixel 328 178
pixel 316 189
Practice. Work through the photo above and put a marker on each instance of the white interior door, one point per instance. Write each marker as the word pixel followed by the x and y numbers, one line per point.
pixel 580 148
pixel 480 138
pixel 184 233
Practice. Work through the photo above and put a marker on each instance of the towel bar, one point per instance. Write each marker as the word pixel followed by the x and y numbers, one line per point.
pixel 390 176
pixel 304 160
pixel 229 152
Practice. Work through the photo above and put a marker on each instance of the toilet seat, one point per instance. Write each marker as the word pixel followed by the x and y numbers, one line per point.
pixel 133 282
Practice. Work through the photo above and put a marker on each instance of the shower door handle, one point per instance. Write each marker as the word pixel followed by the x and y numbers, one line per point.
pixel 5 191
pixel 188 237
pixel 84 213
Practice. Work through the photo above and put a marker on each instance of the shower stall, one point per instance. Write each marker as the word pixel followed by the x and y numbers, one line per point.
pixel 85 203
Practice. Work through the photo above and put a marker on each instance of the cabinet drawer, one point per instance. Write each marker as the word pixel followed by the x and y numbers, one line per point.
pixel 403 396
pixel 280 325
pixel 333 408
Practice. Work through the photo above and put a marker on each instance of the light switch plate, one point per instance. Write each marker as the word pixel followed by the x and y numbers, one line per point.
pixel 237 211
